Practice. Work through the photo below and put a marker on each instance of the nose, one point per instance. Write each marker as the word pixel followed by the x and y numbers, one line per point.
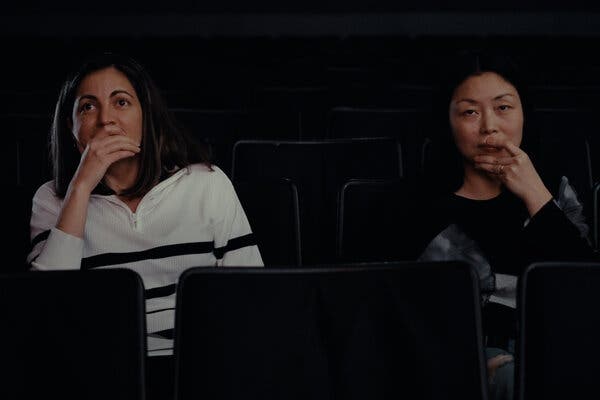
pixel 489 123
pixel 106 116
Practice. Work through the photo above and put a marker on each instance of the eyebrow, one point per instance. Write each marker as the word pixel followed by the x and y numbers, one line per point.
pixel 119 91
pixel 472 101
pixel 113 94
pixel 504 95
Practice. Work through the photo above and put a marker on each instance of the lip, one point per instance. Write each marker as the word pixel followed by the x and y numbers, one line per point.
pixel 114 131
pixel 489 149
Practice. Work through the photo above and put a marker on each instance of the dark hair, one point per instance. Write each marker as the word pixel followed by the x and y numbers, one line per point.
pixel 165 146
pixel 468 63
pixel 454 71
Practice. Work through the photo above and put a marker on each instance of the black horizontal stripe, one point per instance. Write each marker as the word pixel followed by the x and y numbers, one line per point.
pixel 161 310
pixel 161 291
pixel 160 349
pixel 170 250
pixel 40 237
pixel 234 244
pixel 166 334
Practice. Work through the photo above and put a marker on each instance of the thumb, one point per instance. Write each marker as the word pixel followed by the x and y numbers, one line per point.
pixel 496 362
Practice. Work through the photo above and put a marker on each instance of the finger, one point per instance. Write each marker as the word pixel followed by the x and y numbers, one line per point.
pixel 119 155
pixel 512 148
pixel 493 169
pixel 487 159
pixel 110 144
pixel 114 147
pixel 105 140
pixel 501 141
pixel 499 360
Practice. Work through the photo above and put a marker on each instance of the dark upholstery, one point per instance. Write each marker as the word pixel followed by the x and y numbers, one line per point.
pixel 73 335
pixel 560 325
pixel 377 331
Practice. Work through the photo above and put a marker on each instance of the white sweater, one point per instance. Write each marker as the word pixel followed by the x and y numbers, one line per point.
pixel 193 218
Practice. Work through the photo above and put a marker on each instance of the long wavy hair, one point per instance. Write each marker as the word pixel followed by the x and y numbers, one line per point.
pixel 166 147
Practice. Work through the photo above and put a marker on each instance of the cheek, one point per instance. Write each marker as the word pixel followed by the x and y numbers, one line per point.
pixel 136 124
pixel 514 131
pixel 81 133
pixel 463 135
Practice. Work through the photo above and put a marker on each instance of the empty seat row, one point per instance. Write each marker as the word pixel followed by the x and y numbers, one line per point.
pixel 378 331
pixel 318 169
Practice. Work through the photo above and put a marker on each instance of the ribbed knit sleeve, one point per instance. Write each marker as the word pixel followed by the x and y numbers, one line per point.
pixel 51 248
pixel 235 244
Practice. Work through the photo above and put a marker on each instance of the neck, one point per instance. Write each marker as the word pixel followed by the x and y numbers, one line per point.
pixel 122 174
pixel 478 185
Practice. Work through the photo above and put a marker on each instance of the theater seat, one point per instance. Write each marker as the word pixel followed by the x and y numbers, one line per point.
pixel 559 329
pixel 72 335
pixel 221 128
pixel 563 148
pixel 404 124
pixel 376 220
pixel 318 169
pixel 272 210
pixel 16 240
pixel 25 156
pixel 370 331
pixel 596 221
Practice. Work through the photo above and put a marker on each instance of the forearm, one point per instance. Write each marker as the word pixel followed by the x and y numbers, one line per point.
pixel 74 211
pixel 551 235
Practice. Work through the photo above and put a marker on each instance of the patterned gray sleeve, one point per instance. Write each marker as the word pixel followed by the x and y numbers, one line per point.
pixel 566 199
pixel 454 244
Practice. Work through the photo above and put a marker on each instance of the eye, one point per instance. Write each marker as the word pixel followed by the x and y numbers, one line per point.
pixel 504 107
pixel 469 112
pixel 123 102
pixel 86 107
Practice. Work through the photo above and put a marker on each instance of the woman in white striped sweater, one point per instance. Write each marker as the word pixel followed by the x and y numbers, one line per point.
pixel 132 190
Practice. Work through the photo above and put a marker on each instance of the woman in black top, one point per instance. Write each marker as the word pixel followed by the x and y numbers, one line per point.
pixel 501 216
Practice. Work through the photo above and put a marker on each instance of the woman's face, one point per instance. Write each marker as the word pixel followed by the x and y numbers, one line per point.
pixel 106 104
pixel 483 105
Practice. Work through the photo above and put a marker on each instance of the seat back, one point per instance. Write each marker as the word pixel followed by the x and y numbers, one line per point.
pixel 25 156
pixel 377 331
pixel 563 148
pixel 222 128
pixel 318 169
pixel 404 124
pixel 17 221
pixel 560 326
pixel 376 220
pixel 73 335
pixel 596 220
pixel 272 210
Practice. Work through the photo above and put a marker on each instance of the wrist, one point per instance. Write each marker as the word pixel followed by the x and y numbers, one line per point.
pixel 536 200
pixel 78 190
